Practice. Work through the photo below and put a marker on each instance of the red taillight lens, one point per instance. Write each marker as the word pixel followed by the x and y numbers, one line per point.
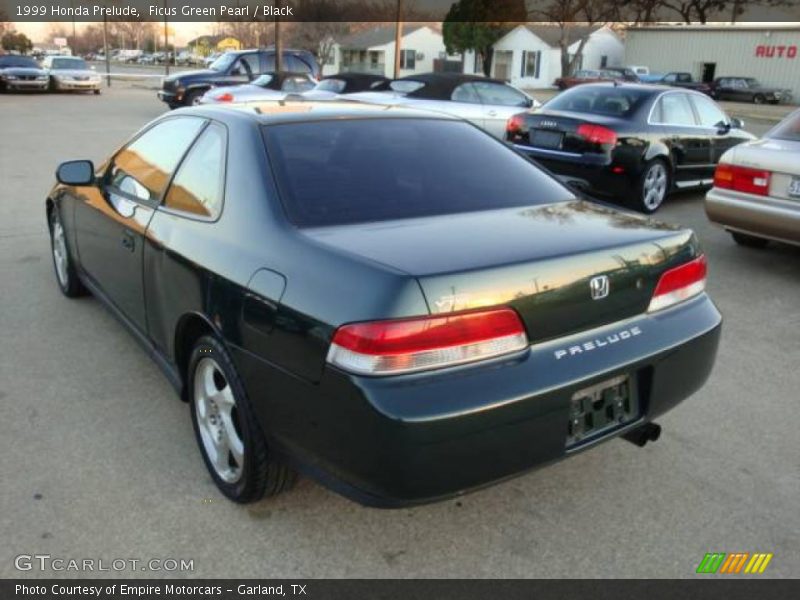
pixel 679 284
pixel 225 97
pixel 407 345
pixel 596 134
pixel 742 179
pixel 515 124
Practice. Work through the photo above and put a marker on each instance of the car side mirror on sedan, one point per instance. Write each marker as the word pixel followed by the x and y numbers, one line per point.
pixel 75 172
pixel 737 123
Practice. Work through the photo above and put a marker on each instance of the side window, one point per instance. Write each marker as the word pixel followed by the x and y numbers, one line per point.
pixel 671 78
pixel 465 93
pixel 710 114
pixel 248 64
pixel 296 84
pixel 498 94
pixel 295 64
pixel 676 110
pixel 198 186
pixel 268 61
pixel 143 168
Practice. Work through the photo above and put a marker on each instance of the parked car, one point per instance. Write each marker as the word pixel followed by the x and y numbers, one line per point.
pixel 209 60
pixel 594 76
pixel 22 73
pixel 269 86
pixel 232 68
pixel 70 73
pixel 628 143
pixel 333 288
pixel 187 58
pixel 747 89
pixel 488 103
pixel 640 70
pixel 756 193
pixel 682 80
pixel 147 59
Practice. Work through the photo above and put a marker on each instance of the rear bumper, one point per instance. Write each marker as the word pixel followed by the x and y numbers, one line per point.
pixel 592 175
pixel 418 438
pixel 768 217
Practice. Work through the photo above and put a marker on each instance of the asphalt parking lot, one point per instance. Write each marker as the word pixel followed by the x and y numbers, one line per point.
pixel 99 460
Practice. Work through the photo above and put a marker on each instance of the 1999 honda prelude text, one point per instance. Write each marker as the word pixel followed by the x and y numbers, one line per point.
pixel 390 301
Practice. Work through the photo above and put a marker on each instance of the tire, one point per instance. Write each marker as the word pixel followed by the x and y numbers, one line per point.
pixel 96 92
pixel 66 276
pixel 749 241
pixel 759 99
pixel 652 187
pixel 192 98
pixel 225 426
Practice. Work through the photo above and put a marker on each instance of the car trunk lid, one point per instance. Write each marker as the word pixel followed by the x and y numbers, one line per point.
pixel 575 133
pixel 539 260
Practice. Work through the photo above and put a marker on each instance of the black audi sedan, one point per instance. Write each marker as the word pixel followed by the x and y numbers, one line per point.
pixel 334 291
pixel 628 143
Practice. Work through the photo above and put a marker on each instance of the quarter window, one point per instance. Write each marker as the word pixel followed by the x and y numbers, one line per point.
pixel 710 114
pixel 198 186
pixel 144 167
pixel 465 93
pixel 676 110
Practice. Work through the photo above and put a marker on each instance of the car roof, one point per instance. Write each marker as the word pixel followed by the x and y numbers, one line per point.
pixel 630 85
pixel 296 110
pixel 440 86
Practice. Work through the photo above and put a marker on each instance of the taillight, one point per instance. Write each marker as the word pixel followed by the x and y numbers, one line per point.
pixel 515 124
pixel 407 345
pixel 679 284
pixel 225 97
pixel 596 134
pixel 742 179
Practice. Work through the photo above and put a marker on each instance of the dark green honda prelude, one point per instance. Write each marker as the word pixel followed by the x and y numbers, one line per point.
pixel 390 301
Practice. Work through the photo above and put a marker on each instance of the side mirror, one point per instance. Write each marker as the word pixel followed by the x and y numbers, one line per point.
pixel 529 103
pixel 737 123
pixel 75 172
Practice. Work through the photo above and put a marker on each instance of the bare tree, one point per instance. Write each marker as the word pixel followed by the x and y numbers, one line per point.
pixel 133 32
pixel 566 14
pixel 318 37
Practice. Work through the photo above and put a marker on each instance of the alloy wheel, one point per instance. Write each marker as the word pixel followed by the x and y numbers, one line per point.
pixel 217 421
pixel 60 256
pixel 655 186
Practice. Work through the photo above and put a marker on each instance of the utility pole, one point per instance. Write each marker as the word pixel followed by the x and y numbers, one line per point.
pixel 166 41
pixel 398 37
pixel 278 39
pixel 105 50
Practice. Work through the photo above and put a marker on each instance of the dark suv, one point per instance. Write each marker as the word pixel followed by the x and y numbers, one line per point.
pixel 232 68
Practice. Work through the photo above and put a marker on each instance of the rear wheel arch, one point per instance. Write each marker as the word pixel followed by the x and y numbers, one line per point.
pixel 190 328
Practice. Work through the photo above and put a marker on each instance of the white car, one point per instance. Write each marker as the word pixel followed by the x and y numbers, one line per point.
pixel 71 73
pixel 756 193
pixel 488 103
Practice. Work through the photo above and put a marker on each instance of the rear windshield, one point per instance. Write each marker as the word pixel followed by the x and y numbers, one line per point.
pixel 611 101
pixel 788 129
pixel 364 170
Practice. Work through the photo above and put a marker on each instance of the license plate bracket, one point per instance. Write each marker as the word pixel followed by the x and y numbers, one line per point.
pixel 546 139
pixel 794 187
pixel 597 410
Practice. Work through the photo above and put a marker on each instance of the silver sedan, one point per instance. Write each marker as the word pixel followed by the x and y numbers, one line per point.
pixel 71 73
pixel 756 193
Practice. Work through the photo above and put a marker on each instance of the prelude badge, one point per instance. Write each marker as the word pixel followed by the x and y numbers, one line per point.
pixel 599 287
pixel 598 343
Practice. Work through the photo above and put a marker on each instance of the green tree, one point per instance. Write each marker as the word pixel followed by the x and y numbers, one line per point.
pixel 469 26
pixel 16 42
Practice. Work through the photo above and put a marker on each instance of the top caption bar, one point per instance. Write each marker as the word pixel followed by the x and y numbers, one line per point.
pixel 387 10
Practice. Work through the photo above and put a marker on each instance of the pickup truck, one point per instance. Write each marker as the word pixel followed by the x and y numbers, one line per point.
pixel 682 80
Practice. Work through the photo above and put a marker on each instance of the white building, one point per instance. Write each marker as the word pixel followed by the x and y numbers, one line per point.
pixel 372 51
pixel 529 56
pixel 771 53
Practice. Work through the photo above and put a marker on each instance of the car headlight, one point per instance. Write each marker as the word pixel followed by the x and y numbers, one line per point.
pixel 9 77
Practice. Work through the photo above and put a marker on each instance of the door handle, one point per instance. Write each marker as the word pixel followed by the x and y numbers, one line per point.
pixel 492 113
pixel 128 240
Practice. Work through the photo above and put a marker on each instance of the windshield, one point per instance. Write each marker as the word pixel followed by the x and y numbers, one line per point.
pixel 22 62
pixel 70 63
pixel 331 85
pixel 404 171
pixel 223 62
pixel 788 129
pixel 613 101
